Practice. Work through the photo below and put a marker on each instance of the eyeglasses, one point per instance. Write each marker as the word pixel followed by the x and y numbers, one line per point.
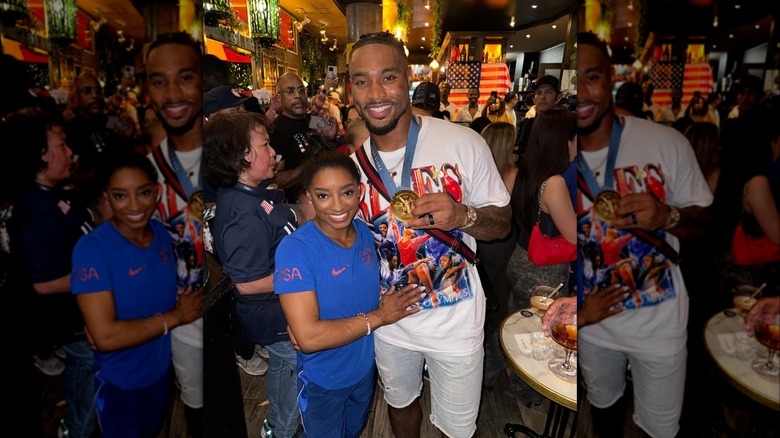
pixel 290 91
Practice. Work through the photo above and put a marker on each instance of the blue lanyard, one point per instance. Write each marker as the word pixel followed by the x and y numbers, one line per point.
pixel 406 174
pixel 181 174
pixel 609 173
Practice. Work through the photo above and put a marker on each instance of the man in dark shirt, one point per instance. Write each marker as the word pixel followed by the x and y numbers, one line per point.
pixel 91 133
pixel 291 133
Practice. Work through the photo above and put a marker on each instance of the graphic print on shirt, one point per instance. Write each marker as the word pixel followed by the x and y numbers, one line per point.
pixel 413 256
pixel 613 256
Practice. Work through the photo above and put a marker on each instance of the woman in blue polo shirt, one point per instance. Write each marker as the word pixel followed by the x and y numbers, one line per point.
pixel 124 279
pixel 327 279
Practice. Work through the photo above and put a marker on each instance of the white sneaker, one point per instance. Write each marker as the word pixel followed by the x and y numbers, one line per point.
pixel 266 431
pixel 255 366
pixel 260 350
pixel 51 366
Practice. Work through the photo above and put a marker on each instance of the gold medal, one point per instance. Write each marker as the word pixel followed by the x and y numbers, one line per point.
pixel 605 204
pixel 402 203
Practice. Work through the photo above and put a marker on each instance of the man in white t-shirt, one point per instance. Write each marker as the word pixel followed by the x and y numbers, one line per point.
pixel 460 192
pixel 662 197
pixel 173 71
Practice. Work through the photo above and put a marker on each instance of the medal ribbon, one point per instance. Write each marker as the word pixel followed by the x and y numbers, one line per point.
pixel 181 174
pixel 406 174
pixel 609 173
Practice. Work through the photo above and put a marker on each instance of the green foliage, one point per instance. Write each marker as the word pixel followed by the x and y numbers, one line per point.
pixel 241 75
pixel 436 30
pixel 315 57
pixel 404 14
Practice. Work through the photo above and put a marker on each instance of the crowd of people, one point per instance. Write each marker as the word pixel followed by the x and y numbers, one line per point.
pixel 375 243
pixel 104 245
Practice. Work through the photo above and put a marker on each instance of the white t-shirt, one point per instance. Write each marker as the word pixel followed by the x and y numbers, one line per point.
pixel 457 160
pixel 173 209
pixel 657 159
pixel 465 116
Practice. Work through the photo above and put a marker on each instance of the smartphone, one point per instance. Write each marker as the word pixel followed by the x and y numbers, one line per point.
pixel 319 122
pixel 332 71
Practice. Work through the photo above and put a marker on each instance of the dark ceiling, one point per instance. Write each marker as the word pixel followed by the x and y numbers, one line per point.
pixel 741 24
pixel 531 17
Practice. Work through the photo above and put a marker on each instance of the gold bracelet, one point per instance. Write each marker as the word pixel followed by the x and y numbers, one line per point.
pixel 368 324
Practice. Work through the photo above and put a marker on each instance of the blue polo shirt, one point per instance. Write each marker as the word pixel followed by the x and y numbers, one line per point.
pixel 248 226
pixel 346 281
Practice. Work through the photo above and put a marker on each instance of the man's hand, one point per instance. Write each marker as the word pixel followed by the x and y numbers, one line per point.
pixel 640 210
pixel 331 82
pixel 599 305
pixel 439 208
pixel 556 306
pixel 771 303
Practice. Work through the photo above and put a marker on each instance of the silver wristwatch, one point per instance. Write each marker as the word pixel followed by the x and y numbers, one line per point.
pixel 674 218
pixel 471 216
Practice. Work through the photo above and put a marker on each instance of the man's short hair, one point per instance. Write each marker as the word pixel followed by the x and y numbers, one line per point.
pixel 384 38
pixel 182 38
pixel 592 39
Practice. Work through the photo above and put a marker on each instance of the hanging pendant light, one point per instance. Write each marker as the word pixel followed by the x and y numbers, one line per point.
pixel 60 20
pixel 263 21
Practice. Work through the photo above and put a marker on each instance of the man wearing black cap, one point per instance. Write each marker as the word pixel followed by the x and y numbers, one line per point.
pixel 427 98
pixel 546 95
pixel 223 98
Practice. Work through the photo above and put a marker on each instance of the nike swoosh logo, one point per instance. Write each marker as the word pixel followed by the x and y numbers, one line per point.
pixel 335 272
pixel 134 272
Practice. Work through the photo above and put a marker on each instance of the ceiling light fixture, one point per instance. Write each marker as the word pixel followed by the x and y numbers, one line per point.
pixel 423 38
pixel 528 35
pixel 511 46
pixel 427 24
pixel 731 35
pixel 737 6
pixel 715 22
pixel 335 46
pixel 427 4
pixel 554 26
pixel 98 23
pixel 120 36
pixel 512 21
pixel 434 64
pixel 534 6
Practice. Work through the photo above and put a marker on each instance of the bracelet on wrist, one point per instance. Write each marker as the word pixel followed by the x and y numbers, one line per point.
pixel 165 323
pixel 368 324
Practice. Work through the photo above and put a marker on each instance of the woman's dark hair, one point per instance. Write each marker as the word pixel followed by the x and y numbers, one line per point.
pixel 547 154
pixel 479 123
pixel 119 159
pixel 226 141
pixel 327 159
pixel 27 132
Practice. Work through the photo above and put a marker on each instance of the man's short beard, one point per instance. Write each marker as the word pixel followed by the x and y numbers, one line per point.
pixel 373 130
pixel 174 131
pixel 590 129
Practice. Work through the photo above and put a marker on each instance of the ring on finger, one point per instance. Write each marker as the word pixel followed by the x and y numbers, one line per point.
pixel 430 219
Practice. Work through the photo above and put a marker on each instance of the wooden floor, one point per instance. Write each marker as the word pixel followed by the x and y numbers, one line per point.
pixel 496 410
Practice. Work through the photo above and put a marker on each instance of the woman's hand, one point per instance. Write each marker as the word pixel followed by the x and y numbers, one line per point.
pixel 395 305
pixel 189 306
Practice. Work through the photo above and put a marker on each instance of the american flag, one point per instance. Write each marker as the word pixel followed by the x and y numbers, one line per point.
pixel 267 206
pixel 487 77
pixel 688 77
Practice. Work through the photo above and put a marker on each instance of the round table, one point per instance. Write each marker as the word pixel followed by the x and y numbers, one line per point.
pixel 536 373
pixel 738 372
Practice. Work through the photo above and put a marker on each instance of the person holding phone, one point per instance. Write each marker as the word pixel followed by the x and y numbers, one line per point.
pixel 292 129
pixel 494 109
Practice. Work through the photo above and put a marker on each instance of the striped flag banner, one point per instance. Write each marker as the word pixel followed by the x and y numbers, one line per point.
pixel 487 77
pixel 689 77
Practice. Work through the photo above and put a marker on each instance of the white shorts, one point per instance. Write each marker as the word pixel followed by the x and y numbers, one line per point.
pixel 188 365
pixel 658 381
pixel 455 381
